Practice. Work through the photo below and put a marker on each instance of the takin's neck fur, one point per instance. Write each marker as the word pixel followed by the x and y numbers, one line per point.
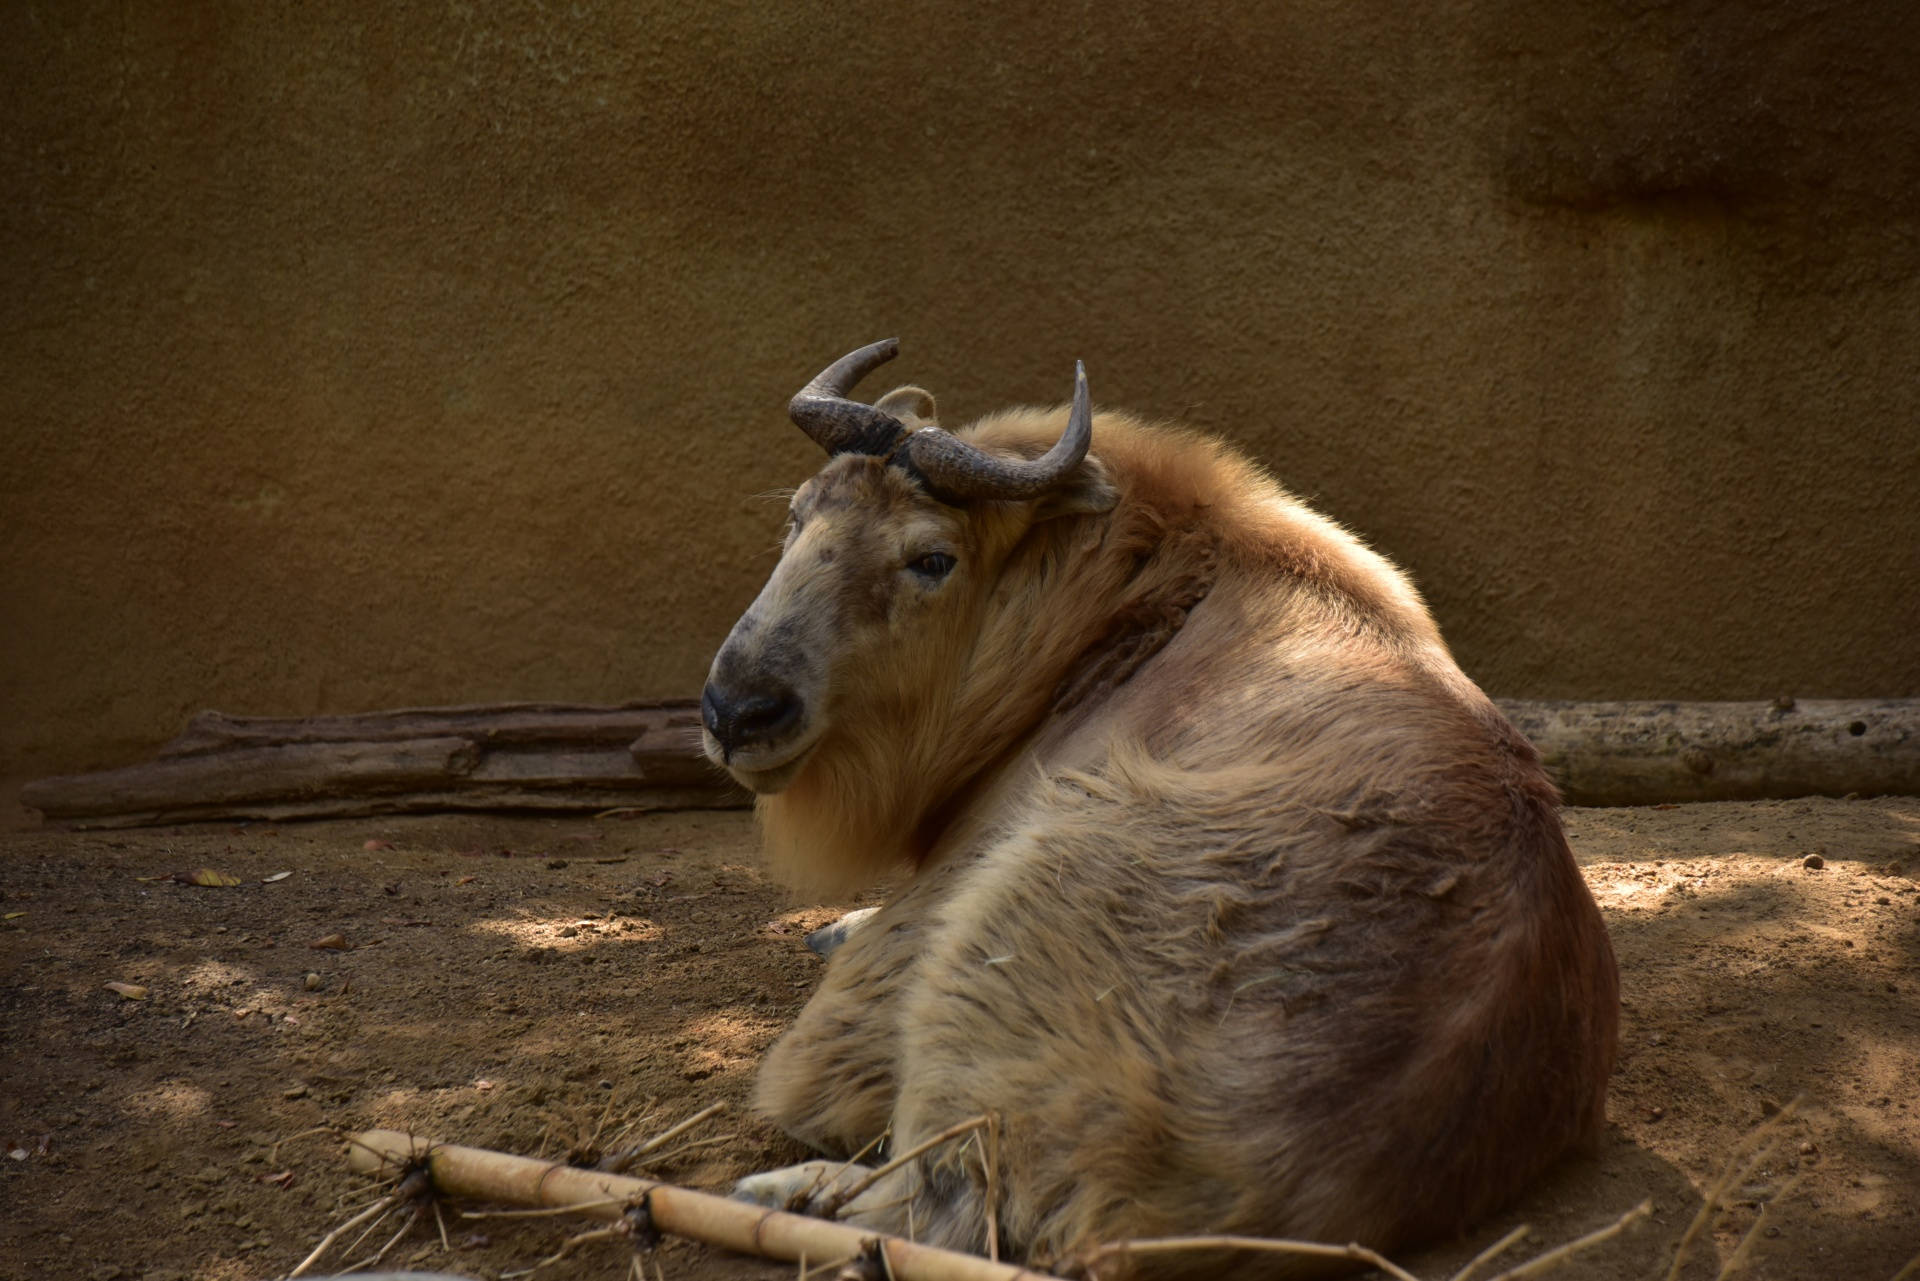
pixel 1076 606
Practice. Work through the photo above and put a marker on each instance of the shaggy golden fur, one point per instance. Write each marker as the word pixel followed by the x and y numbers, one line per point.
pixel 1234 898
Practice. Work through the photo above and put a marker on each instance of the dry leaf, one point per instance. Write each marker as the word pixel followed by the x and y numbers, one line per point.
pixel 483 1086
pixel 212 879
pixel 14 916
pixel 132 991
pixel 277 876
pixel 377 845
pixel 466 880
pixel 331 943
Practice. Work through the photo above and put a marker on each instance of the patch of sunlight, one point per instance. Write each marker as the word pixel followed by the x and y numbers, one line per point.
pixel 207 977
pixel 734 1031
pixel 226 1270
pixel 173 1099
pixel 804 920
pixel 408 1100
pixel 1646 889
pixel 565 933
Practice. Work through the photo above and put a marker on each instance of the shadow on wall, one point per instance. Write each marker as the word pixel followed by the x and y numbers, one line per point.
pixel 1764 108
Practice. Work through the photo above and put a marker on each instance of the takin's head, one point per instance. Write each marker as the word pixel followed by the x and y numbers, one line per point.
pixel 889 551
pixel 868 636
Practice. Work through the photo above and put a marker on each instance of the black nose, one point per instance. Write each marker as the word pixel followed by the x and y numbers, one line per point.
pixel 739 717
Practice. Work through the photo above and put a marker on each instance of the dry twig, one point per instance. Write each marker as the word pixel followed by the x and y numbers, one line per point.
pixel 567 1247
pixel 1748 1153
pixel 273 1154
pixel 673 1153
pixel 1270 1245
pixel 1560 1254
pixel 1753 1232
pixel 391 1242
pixel 1492 1252
pixel 621 1162
pixel 416 1183
pixel 992 1157
pixel 839 1200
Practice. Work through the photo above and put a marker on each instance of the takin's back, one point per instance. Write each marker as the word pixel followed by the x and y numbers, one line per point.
pixel 1370 994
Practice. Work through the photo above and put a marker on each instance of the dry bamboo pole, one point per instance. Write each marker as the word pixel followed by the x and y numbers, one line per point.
pixel 701 1216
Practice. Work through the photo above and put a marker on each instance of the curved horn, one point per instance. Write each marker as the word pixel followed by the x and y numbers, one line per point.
pixel 953 469
pixel 839 425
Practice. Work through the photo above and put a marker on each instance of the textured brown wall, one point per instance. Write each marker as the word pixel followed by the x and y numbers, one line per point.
pixel 360 355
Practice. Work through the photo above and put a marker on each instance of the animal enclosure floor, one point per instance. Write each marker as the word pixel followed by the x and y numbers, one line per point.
pixel 510 983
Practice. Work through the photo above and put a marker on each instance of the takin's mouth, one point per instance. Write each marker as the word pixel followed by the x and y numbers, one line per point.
pixel 764 771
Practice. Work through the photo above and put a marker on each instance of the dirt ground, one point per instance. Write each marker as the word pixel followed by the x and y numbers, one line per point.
pixel 510 982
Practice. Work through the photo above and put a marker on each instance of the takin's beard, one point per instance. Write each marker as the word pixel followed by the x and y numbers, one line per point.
pixel 850 816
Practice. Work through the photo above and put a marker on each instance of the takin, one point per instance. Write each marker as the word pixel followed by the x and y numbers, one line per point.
pixel 1226 894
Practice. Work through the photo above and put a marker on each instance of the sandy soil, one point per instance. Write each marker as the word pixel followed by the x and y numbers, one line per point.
pixel 509 983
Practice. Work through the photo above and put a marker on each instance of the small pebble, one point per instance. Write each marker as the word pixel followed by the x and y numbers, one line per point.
pixel 312 982
pixel 569 932
pixel 1813 862
pixel 294 1092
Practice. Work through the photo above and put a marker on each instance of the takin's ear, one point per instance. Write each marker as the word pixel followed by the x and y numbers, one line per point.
pixel 1088 492
pixel 907 404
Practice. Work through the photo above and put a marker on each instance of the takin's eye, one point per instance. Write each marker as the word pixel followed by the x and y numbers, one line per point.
pixel 932 567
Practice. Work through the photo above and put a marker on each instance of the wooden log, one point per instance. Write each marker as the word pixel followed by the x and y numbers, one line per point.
pixel 1651 753
pixel 512 756
pixel 255 774
pixel 503 800
pixel 701 1216
pixel 671 726
pixel 549 756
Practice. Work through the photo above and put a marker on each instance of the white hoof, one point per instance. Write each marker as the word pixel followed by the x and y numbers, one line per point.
pixel 801 1188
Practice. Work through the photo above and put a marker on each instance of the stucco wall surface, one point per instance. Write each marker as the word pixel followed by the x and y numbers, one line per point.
pixel 359 355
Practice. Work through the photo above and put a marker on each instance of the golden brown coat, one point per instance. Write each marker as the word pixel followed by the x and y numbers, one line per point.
pixel 1230 894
